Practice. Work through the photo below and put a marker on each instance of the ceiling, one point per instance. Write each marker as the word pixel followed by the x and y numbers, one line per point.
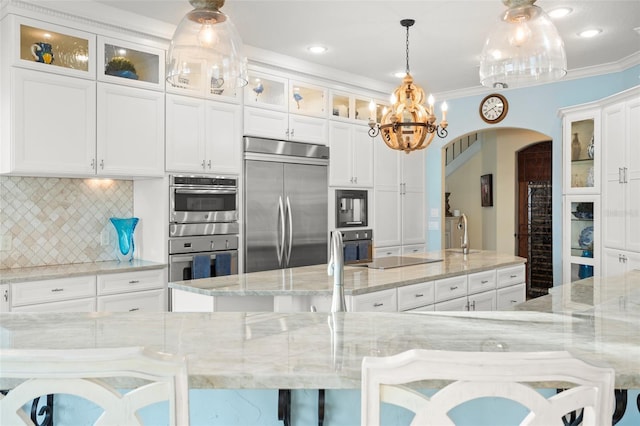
pixel 365 37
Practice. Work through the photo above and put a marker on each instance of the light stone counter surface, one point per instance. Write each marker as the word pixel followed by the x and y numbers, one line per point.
pixel 313 280
pixel 18 275
pixel 301 350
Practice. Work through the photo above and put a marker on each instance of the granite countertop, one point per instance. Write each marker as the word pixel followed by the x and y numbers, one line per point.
pixel 237 350
pixel 17 275
pixel 313 280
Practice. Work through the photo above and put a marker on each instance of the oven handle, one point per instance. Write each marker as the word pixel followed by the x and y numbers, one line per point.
pixel 189 257
pixel 205 191
pixel 280 247
pixel 289 217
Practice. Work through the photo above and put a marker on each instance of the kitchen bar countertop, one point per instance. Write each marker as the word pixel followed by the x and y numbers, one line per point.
pixel 17 275
pixel 236 350
pixel 313 280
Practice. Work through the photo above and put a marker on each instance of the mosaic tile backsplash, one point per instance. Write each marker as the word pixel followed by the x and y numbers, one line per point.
pixel 51 221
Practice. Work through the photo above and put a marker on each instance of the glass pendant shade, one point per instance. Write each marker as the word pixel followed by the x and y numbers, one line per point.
pixel 524 48
pixel 206 51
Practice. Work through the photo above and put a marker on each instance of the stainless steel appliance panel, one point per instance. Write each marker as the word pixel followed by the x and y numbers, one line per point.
pixel 202 199
pixel 265 216
pixel 180 265
pixel 187 229
pixel 306 221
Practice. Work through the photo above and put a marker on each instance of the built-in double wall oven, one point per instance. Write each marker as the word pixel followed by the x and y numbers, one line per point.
pixel 203 226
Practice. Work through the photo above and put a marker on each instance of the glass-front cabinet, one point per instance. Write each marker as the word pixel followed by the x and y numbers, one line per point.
pixel 121 62
pixel 266 91
pixel 582 240
pixel 307 99
pixel 357 108
pixel 51 48
pixel 581 143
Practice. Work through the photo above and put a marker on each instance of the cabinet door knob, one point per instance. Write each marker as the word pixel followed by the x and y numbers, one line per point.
pixel 209 164
pixel 102 164
pixel 202 165
pixel 292 130
pixel 93 164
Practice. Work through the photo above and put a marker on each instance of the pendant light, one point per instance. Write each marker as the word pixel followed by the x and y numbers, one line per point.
pixel 206 51
pixel 524 48
pixel 408 125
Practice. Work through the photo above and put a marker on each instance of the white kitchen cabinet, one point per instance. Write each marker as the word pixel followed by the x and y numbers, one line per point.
pixel 458 304
pixel 581 237
pixel 413 249
pixel 581 150
pixel 399 198
pixel 126 282
pixel 54 290
pixel 144 301
pixel 479 282
pixel 378 301
pixel 51 125
pixel 387 251
pixel 485 301
pixel 283 126
pixel 508 297
pixel 129 64
pixel 185 301
pixel 5 303
pixel 617 262
pixel 450 288
pixel 351 155
pixel 279 108
pixel 416 297
pixel 202 136
pixel 621 173
pixel 130 131
pixel 354 107
pixel 76 305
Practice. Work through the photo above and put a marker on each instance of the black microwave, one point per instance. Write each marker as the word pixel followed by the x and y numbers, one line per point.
pixel 351 208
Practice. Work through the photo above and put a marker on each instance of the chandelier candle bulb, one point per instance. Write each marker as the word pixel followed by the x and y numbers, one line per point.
pixel 444 109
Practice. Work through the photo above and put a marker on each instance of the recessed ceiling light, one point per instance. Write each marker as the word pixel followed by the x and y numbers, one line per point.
pixel 590 33
pixel 317 49
pixel 560 12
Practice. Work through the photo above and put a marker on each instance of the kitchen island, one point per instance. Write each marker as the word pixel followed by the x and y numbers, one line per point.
pixel 306 351
pixel 297 289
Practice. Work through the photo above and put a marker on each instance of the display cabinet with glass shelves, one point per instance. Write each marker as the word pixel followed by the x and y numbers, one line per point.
pixel 581 243
pixel 359 108
pixel 130 64
pixel 581 142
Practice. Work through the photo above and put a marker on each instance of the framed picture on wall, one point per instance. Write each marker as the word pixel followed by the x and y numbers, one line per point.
pixel 486 190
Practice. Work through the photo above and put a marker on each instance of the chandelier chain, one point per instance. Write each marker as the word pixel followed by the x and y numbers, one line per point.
pixel 407 50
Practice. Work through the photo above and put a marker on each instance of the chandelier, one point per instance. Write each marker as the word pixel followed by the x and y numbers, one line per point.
pixel 523 48
pixel 408 125
pixel 206 51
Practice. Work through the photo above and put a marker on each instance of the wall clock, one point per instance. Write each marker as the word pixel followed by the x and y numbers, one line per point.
pixel 493 108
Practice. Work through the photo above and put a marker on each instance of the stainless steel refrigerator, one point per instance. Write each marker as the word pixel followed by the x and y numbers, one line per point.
pixel 285 204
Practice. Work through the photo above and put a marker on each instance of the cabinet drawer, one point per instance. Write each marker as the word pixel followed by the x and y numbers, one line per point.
pixel 459 304
pixel 510 296
pixel 482 281
pixel 379 301
pixel 415 295
pixel 147 301
pixel 45 291
pixel 386 252
pixel 450 288
pixel 130 281
pixel 76 305
pixel 413 249
pixel 511 275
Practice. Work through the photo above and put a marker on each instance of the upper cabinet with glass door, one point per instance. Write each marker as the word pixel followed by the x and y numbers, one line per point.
pixel 266 91
pixel 307 99
pixel 130 64
pixel 581 141
pixel 50 48
pixel 347 106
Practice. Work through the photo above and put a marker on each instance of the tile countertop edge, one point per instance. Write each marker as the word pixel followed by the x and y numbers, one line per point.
pixel 48 272
pixel 313 280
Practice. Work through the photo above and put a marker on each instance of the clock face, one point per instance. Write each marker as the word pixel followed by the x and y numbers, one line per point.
pixel 493 108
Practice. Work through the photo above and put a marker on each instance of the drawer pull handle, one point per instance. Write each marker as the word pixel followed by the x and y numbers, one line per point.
pixel 514 301
pixel 455 287
pixel 134 281
pixel 134 309
pixel 512 276
pixel 377 305
pixel 484 281
pixel 419 295
pixel 55 290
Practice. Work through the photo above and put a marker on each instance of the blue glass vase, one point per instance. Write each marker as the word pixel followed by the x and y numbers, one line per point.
pixel 124 231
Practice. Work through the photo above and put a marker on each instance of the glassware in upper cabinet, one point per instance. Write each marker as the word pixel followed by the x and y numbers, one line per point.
pixel 131 64
pixel 266 91
pixel 48 47
pixel 582 148
pixel 307 99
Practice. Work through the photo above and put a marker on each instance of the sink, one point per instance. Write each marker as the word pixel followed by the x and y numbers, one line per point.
pixel 459 250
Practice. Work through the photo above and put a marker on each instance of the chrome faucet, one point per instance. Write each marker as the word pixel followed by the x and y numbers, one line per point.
pixel 462 224
pixel 336 268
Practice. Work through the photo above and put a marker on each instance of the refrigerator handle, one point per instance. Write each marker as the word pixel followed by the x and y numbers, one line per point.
pixel 280 247
pixel 290 219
